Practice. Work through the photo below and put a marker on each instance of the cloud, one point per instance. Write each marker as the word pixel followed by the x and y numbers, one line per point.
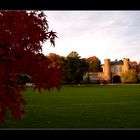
pixel 112 34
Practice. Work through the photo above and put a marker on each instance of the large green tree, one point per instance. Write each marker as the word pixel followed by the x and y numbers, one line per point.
pixel 73 54
pixel 74 67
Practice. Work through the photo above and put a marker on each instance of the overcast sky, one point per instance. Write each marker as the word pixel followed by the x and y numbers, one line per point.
pixel 104 34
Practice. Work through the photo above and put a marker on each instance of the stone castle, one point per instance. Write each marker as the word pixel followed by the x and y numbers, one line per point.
pixel 111 71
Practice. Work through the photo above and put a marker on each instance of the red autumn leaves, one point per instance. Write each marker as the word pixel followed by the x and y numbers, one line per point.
pixel 22 34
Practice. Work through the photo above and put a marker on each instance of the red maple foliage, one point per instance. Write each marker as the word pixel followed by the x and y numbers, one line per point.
pixel 92 58
pixel 22 34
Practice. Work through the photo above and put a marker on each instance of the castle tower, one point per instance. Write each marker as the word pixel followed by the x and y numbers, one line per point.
pixel 125 64
pixel 107 70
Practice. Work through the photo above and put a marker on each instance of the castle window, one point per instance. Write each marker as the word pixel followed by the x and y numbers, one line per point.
pixel 114 69
pixel 117 69
pixel 120 69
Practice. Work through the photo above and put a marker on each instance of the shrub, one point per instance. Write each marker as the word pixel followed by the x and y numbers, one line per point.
pixel 129 76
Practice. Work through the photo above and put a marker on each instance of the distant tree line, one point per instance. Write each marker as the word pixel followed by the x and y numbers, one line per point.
pixel 73 67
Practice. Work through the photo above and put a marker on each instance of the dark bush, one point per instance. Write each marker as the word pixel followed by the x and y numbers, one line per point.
pixel 22 79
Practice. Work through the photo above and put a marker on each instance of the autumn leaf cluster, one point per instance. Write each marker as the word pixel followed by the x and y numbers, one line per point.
pixel 22 34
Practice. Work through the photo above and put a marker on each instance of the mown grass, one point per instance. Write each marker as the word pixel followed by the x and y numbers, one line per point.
pixel 95 106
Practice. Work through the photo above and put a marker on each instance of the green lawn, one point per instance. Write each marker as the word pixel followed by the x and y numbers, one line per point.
pixel 94 106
